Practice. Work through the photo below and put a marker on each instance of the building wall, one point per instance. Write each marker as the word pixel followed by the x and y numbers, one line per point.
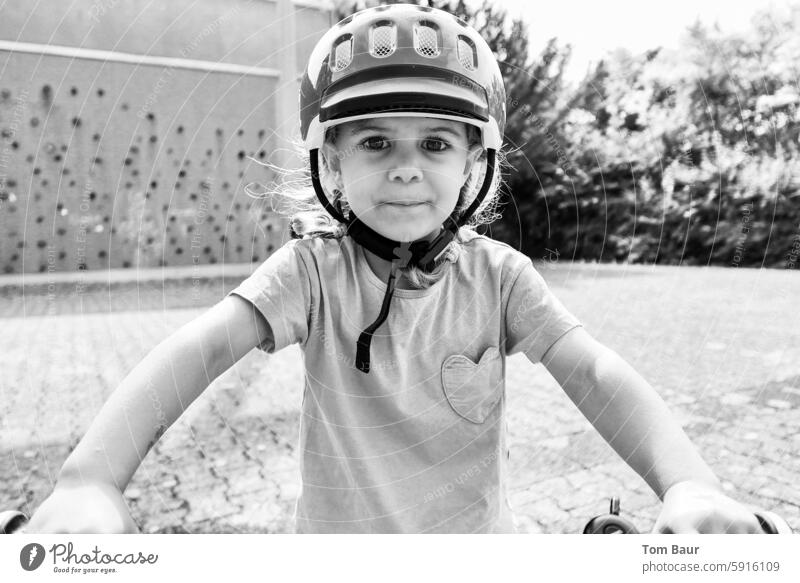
pixel 131 128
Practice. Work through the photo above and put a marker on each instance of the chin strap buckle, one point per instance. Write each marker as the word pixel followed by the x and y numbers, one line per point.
pixel 403 255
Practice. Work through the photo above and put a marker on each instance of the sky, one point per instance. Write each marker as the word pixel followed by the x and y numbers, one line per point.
pixel 594 27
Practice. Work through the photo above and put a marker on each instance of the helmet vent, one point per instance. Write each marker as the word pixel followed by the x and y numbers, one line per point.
pixel 342 52
pixel 426 39
pixel 467 54
pixel 383 39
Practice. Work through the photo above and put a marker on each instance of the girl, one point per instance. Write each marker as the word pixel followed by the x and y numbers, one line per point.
pixel 405 316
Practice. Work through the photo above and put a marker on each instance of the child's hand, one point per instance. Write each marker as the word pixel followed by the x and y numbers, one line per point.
pixel 694 507
pixel 88 508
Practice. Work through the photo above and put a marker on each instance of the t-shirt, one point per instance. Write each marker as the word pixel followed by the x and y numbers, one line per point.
pixel 418 444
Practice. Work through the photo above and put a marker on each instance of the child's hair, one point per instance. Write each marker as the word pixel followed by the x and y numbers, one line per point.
pixel 293 196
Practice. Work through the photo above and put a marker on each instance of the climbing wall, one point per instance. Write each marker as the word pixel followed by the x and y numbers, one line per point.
pixel 106 163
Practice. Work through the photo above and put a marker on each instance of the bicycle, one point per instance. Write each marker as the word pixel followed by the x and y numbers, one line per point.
pixel 613 523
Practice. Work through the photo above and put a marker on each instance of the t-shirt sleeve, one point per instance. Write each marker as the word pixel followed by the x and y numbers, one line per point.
pixel 280 289
pixel 535 318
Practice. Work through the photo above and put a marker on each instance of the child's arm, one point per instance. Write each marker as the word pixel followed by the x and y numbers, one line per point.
pixel 635 421
pixel 150 398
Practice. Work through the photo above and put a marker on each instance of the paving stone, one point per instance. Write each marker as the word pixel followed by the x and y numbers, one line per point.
pixel 575 498
pixel 248 481
pixel 581 478
pixel 260 514
pixel 210 504
pixel 133 493
pixel 527 525
pixel 551 488
pixel 290 489
pixel 546 512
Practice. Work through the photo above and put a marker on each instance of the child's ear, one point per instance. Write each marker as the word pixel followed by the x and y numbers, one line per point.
pixel 473 155
pixel 331 162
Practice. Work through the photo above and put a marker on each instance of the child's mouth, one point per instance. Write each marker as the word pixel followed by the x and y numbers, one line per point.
pixel 404 203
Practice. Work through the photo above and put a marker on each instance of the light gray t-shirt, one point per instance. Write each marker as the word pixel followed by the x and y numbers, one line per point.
pixel 418 444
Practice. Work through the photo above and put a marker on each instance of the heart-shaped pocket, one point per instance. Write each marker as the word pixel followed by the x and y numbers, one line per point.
pixel 473 389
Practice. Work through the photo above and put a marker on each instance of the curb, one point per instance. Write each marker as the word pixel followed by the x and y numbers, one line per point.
pixel 238 271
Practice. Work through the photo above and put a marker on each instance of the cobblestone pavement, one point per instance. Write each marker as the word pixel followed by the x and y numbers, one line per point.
pixel 721 346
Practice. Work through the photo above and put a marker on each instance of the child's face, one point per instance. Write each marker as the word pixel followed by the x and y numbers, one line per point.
pixel 402 175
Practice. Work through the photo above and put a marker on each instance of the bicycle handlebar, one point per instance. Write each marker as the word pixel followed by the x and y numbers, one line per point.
pixel 613 523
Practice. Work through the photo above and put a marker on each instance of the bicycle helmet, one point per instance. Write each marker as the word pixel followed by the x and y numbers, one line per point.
pixel 408 60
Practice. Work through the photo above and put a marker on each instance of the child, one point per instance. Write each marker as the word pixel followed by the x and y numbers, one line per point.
pixel 405 316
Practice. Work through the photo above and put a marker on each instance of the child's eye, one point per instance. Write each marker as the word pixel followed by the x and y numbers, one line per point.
pixel 436 144
pixel 378 143
pixel 375 143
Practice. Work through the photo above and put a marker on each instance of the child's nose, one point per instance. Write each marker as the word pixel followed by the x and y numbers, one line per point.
pixel 405 174
pixel 405 166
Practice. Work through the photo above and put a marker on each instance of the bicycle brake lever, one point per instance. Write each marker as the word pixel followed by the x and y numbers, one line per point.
pixel 611 523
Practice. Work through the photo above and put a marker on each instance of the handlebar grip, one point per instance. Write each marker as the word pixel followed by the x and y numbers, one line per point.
pixel 609 524
pixel 11 521
pixel 771 523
